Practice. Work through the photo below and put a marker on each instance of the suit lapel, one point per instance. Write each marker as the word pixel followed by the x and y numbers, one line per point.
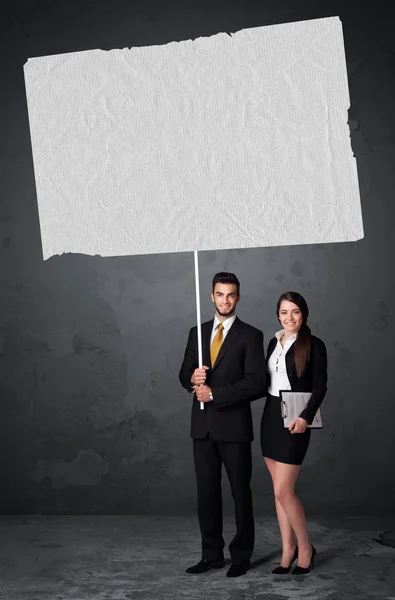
pixel 290 350
pixel 206 335
pixel 290 359
pixel 228 341
pixel 270 348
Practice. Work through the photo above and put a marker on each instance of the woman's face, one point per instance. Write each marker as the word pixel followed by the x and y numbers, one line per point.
pixel 290 316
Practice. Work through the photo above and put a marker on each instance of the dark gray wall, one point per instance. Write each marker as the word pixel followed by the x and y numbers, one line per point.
pixel 93 418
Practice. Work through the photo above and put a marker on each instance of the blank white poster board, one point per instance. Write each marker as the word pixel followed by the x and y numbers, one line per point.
pixel 223 142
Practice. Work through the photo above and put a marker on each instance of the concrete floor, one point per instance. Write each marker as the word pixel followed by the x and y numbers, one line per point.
pixel 134 557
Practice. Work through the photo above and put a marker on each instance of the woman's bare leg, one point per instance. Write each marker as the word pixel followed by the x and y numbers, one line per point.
pixel 284 491
pixel 286 531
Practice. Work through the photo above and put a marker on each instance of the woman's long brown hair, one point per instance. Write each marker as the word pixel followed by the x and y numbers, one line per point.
pixel 302 344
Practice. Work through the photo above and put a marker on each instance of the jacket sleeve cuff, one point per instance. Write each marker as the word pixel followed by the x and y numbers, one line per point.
pixel 306 416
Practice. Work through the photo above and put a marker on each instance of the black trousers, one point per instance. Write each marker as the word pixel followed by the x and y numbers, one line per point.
pixel 236 456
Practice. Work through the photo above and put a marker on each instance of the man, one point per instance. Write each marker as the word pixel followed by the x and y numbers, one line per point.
pixel 232 375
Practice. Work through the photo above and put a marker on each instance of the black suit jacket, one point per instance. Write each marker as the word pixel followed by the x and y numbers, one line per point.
pixel 314 379
pixel 237 377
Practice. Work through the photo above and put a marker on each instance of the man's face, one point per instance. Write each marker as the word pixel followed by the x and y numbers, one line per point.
pixel 225 298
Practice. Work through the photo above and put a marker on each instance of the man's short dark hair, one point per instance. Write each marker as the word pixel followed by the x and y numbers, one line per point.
pixel 226 278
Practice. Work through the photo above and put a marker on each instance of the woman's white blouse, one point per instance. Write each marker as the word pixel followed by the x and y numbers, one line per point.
pixel 277 366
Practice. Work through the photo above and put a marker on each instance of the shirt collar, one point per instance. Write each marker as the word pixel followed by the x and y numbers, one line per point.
pixel 227 323
pixel 292 338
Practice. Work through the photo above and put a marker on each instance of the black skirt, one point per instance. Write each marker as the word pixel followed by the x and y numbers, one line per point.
pixel 277 442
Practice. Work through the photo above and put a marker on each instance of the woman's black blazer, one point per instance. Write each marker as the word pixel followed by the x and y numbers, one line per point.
pixel 314 379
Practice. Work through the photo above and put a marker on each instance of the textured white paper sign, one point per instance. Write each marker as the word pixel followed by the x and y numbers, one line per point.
pixel 223 142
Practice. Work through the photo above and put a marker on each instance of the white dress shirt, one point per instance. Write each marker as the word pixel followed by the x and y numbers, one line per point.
pixel 277 366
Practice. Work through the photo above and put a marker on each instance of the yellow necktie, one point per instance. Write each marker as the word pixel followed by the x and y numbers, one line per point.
pixel 217 343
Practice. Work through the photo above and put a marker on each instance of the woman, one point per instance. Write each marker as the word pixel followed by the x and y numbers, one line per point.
pixel 297 361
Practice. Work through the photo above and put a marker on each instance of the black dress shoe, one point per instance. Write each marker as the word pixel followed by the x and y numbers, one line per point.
pixel 303 570
pixel 284 570
pixel 236 570
pixel 205 565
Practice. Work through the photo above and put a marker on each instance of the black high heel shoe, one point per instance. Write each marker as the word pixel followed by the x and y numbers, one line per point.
pixel 284 570
pixel 302 570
